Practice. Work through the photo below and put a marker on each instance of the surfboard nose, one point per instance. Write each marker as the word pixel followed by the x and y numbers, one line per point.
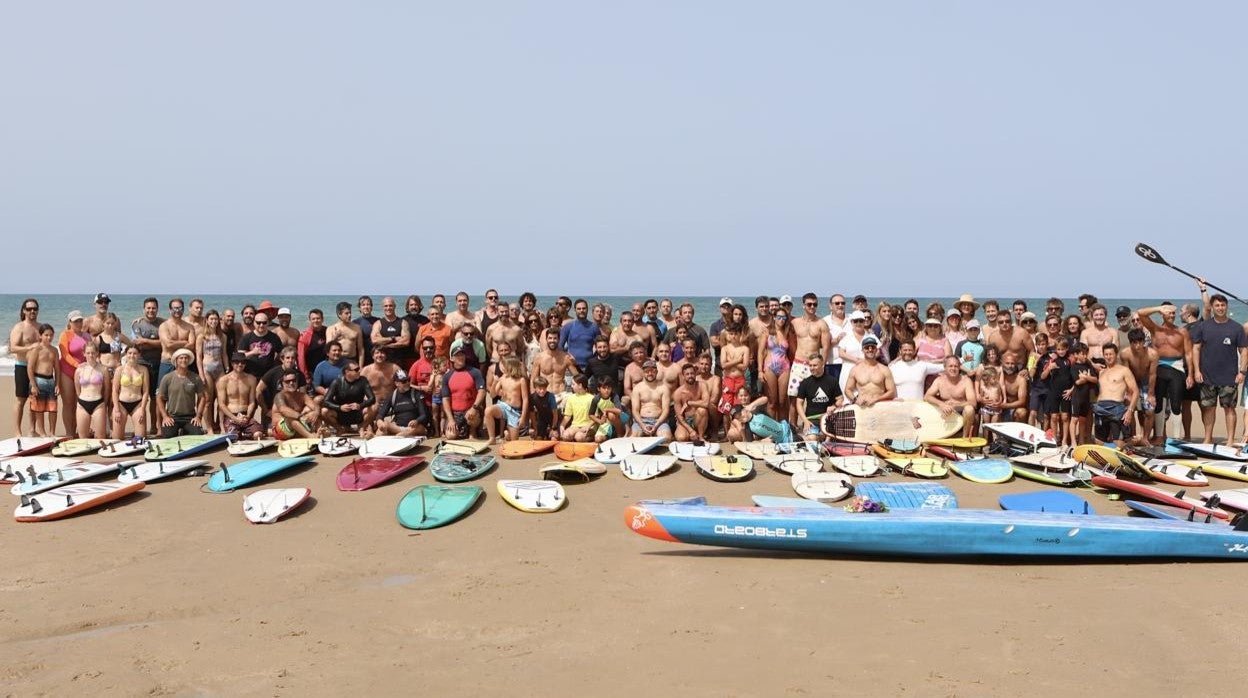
pixel 642 521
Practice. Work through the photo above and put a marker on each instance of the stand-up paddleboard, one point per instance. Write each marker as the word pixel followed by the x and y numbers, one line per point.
pixel 184 446
pixel 644 466
pixel 1050 501
pixel 579 469
pixel 294 448
pixel 121 449
pixel 80 447
pixel 891 419
pixel 1235 499
pixel 821 487
pixel 575 450
pixel 1176 499
pixel 789 463
pixel 26 445
pixel 523 448
pixel 1112 460
pixel 430 506
pixel 1220 451
pixel 1019 435
pixel 60 476
pixel 267 506
pixel 246 447
pixel 1176 473
pixel 338 445
pixel 858 466
pixel 455 467
pixel 688 450
pixel 70 499
pixel 1047 459
pixel 1165 511
pixel 533 496
pixel 150 471
pixel 988 471
pixel 231 477
pixel 464 447
pixel 731 468
pixel 902 445
pixel 1058 478
pixel 370 471
pixel 908 495
pixel 927 468
pixel 613 451
pixel 31 467
pixel 390 445
pixel 1229 470
pixel 969 443
pixel 771 501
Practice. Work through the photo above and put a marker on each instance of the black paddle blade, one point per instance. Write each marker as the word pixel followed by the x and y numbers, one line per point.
pixel 1147 252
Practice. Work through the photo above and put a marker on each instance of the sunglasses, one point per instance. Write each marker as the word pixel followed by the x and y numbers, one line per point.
pixel 491 298
pixel 838 303
pixel 262 323
pixel 289 381
pixel 810 304
pixel 30 309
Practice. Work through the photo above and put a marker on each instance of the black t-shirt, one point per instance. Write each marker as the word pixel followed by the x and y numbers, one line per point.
pixel 598 369
pixel 1219 350
pixel 819 392
pixel 273 385
pixel 270 347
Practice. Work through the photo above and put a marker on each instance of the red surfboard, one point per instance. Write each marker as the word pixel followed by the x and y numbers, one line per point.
pixel 363 473
pixel 1176 499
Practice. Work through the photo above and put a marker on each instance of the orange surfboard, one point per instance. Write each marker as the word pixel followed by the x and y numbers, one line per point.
pixel 575 450
pixel 71 499
pixel 523 448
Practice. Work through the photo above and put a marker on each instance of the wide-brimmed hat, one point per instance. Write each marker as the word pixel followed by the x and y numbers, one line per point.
pixel 967 298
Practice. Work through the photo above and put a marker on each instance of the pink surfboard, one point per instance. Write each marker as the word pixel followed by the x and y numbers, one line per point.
pixel 363 473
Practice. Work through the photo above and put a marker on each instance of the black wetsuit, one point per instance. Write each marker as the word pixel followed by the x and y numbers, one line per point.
pixel 404 407
pixel 343 392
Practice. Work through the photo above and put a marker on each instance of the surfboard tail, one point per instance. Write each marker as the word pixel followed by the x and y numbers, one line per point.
pixel 645 523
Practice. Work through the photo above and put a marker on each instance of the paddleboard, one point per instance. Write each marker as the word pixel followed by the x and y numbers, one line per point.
pixel 60 476
pixel 731 468
pixel 1047 459
pixel 581 469
pixel 1051 501
pixel 821 487
pixel 456 467
pixel 1235 498
pixel 891 419
pixel 523 448
pixel 988 471
pixel 613 451
pixel 970 443
pixel 688 450
pixel 31 467
pixel 121 449
pixel 149 471
pixel 1059 478
pixel 1020 435
pixel 928 468
pixel 232 477
pixel 644 467
pixel 1224 469
pixel 1220 451
pixel 1176 473
pixel 789 463
pixel 70 499
pixel 858 466
pixel 390 445
pixel 26 445
pixel 1177 499
pixel 294 448
pixel 771 501
pixel 908 495
pixel 430 506
pixel 249 446
pixel 370 471
pixel 1165 511
pixel 533 496
pixel 574 450
pixel 267 506
pixel 465 447
pixel 80 447
pixel 902 445
pixel 338 445
pixel 184 446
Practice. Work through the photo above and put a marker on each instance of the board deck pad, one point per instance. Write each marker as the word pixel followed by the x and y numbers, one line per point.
pixel 989 471
pixel 70 499
pixel 242 474
pixel 150 471
pixel 1051 501
pixel 430 506
pixel 891 419
pixel 821 487
pixel 646 466
pixel 533 496
pixel 909 495
pixel 370 471
pixel 456 467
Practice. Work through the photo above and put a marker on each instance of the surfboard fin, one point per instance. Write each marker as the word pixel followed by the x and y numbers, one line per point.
pixel 1180 494
pixel 1214 501
pixel 69 500
pixel 1241 522
pixel 225 472
pixel 35 506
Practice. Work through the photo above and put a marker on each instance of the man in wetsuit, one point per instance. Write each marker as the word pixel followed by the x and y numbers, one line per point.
pixel 577 337
pixel 404 412
pixel 1174 361
pixel 350 403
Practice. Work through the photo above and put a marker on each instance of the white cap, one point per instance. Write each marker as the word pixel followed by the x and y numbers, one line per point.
pixel 725 301
pixel 786 298
pixel 74 315
pixel 953 311
pixel 283 311
pixel 857 315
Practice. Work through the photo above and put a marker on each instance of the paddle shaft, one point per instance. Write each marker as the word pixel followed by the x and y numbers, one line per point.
pixel 1152 255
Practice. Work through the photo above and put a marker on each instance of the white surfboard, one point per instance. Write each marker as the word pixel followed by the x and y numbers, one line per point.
pixel 11 468
pixel 613 451
pixel 246 447
pixel 1235 498
pixel 730 468
pixel 338 445
pixel 150 471
pixel 789 463
pixel 121 449
pixel 267 506
pixel 70 499
pixel 1020 435
pixel 688 450
pixel 581 467
pixel 1215 451
pixel 72 448
pixel 60 476
pixel 1050 458
pixel 533 496
pixel 644 467
pixel 390 445
pixel 858 466
pixel 822 487
pixel 25 444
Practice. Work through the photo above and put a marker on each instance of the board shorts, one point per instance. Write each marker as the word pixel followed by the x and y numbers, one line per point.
pixel 43 399
pixel 282 430
pixel 460 420
pixel 989 412
pixel 1144 403
pixel 652 422
pixel 608 430
pixel 21 381
pixel 728 398
pixel 1038 400
pixel 1223 395
pixel 350 419
pixel 251 426
pixel 511 413
pixel 798 372
pixel 1110 419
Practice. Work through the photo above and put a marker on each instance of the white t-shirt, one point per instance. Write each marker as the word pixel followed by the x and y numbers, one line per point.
pixel 849 346
pixel 838 328
pixel 909 377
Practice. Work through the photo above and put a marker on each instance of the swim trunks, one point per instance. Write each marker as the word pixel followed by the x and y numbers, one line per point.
pixel 728 399
pixel 250 427
pixel 511 413
pixel 21 380
pixel 799 372
pixel 1211 395
pixel 282 430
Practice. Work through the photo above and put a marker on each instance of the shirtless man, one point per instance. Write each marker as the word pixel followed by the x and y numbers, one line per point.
pixel 665 313
pixel 461 313
pixel 1142 361
pixel 632 372
pixel 734 359
pixel 622 337
pixel 1006 337
pixel 953 392
pixel 346 333
pixel 22 338
pixel 511 394
pixel 236 400
pixel 175 333
pixel 1098 333
pixel 504 330
pixel 555 365
pixel 1118 391
pixel 283 329
pixel 651 403
pixel 813 337
pixel 869 381
pixel 691 410
pixel 1173 345
pixel 392 335
pixel 95 323
pixel 295 413
pixel 1015 407
pixel 669 372
pixel 712 389
pixel 380 374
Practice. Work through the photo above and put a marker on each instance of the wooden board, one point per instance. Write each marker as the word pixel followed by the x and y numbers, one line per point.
pixel 891 419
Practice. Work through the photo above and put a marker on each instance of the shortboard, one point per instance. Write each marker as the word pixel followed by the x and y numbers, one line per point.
pixel 968 443
pixel 908 495
pixel 902 445
pixel 1060 478
pixel 644 466
pixel 31 467
pixel 613 451
pixel 231 477
pixel 294 448
pixel 574 450
pixel 1235 498
pixel 430 506
pixel 847 448
pixel 730 468
pixel 121 449
pixel 821 487
pixel 891 419
pixel 789 463
pixel 267 506
pixel 1229 470
pixel 1051 501
pixel 465 447
pixel 581 469
pixel 370 471
pixel 1050 458
pixel 927 468
pixel 184 446
pixel 60 476
pixel 1177 499
pixel 70 499
pixel 150 471
pixel 80 447
pixel 688 450
pixel 1021 436
pixel 533 496
pixel 858 466
pixel 1176 473
pixel 523 448
pixel 455 467
pixel 26 445
pixel 1112 460
pixel 246 447
pixel 338 445
pixel 988 471
pixel 390 445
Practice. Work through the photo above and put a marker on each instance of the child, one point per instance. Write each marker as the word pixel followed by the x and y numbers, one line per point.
pixel 41 366
pixel 1056 373
pixel 543 411
pixel 1038 397
pixel 434 388
pixel 743 410
pixel 991 394
pixel 970 351
pixel 606 411
pixel 1082 378
pixel 577 425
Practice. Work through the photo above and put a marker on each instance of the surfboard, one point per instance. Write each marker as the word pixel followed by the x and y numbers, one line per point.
pixel 338 445
pixel 891 419
pixel 579 469
pixel 523 448
pixel 1176 473
pixel 573 450
pixel 1221 451
pixel 789 463
pixel 613 451
pixel 771 501
pixel 1058 478
pixel 80 447
pixel 26 445
pixel 947 453
pixel 29 467
pixel 1165 511
pixel 758 450
pixel 533 496
pixel 970 443
pixel 1051 501
pixel 430 506
pixel 150 471
pixel 390 445
pixel 232 477
pixel 645 466
pixel 267 506
pixel 688 450
pixel 1111 459
pixel 1050 458
pixel 846 448
pixel 60 476
pixel 465 447
pixel 908 495
pixel 294 448
pixel 821 487
pixel 1234 498
pixel 70 499
pixel 858 466
pixel 883 452
pixel 1177 499
pixel 988 471
pixel 121 449
pixel 246 447
pixel 457 467
pixel 730 468
pixel 902 445
pixel 928 468
pixel 1019 435
pixel 1229 470
pixel 370 471
pixel 184 446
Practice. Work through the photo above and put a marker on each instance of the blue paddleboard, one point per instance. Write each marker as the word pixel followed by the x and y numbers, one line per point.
pixel 908 495
pixel 1046 501
pixel 230 478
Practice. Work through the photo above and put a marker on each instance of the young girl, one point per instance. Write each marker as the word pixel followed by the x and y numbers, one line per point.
pixel 130 396
pixel 775 358
pixel 991 394
pixel 92 382
pixel 747 405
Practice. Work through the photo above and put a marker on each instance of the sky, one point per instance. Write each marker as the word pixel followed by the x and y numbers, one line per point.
pixel 698 148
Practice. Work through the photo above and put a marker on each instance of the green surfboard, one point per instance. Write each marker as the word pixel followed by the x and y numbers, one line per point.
pixel 430 506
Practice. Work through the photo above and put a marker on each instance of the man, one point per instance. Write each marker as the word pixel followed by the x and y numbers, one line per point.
pixel 289 335
pixel 1098 333
pixel 270 384
pixel 1127 321
pixel 1008 338
pixel 463 398
pixel 404 412
pixel 838 326
pixel 577 337
pixel 717 327
pixel 415 320
pixel 261 347
pixel 474 349
pixel 348 334
pixel 555 365
pixel 1174 356
pixel 295 413
pixel 365 322
pixel 1017 401
pixel 623 337
pixel 392 335
pixel 684 318
pixel 248 322
pixel 1086 301
pixel 329 370
pixel 22 338
pixel 665 313
pixel 380 373
pixel 349 402
pixel 909 373
pixel 651 403
pixel 311 347
pixel 692 412
pixel 1142 361
pixel 602 365
pixel 953 392
pixel 489 313
pixel 175 333
pixel 236 400
pixel 461 314
pixel 181 398
pixel 437 330
pixel 1118 391
pixel 196 316
pixel 230 329
pixel 1018 307
pixel 511 392
pixel 849 349
pixel 870 382
pixel 1055 307
pixel 145 333
pixel 439 301
pixel 633 371
pixel 504 331
pixel 813 337
pixel 652 320
pixel 95 323
pixel 991 310
pixel 1220 352
pixel 817 396
pixel 669 371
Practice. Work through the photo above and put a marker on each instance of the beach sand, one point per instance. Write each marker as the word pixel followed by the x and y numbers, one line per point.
pixel 172 592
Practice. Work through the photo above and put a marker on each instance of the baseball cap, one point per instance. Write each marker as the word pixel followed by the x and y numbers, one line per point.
pixel 870 339
pixel 74 315
pixel 953 311
pixel 931 321
pixel 972 325
pixel 459 349
pixel 283 311
pixel 1027 316
pixel 1123 311
pixel 400 375
pixel 725 301
pixel 786 298
pixel 649 363
pixel 857 315
pixel 102 298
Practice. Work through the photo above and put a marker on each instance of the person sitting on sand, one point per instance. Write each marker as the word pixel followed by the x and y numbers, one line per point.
pixel 236 400
pixel 690 406
pixel 349 403
pixel 403 412
pixel 577 426
pixel 380 373
pixel 651 403
pixel 953 392
pixel 295 413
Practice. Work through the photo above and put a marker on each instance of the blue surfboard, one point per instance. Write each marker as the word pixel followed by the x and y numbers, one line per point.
pixel 908 495
pixel 1165 511
pixel 230 478
pixel 1046 501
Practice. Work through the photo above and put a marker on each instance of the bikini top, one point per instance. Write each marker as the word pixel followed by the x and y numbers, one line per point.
pixel 130 380
pixel 95 378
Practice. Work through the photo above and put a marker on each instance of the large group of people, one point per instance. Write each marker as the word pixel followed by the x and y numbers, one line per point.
pixel 504 370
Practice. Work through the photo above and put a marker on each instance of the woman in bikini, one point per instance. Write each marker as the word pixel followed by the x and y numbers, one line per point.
pixel 209 345
pixel 112 343
pixel 71 344
pixel 92 382
pixel 130 395
pixel 775 358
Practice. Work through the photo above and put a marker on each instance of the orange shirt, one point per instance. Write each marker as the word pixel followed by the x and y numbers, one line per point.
pixel 441 338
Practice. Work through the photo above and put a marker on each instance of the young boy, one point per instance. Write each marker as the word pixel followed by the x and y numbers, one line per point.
pixel 1055 371
pixel 577 424
pixel 41 367
pixel 607 411
pixel 543 411
pixel 1083 378
pixel 970 351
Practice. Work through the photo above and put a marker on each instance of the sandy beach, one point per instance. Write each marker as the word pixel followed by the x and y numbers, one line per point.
pixel 172 592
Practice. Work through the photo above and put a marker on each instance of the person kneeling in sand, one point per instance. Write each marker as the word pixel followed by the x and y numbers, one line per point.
pixel 953 392
pixel 403 412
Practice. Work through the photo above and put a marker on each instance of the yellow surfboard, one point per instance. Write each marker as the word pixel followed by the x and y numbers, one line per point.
pixel 963 444
pixel 463 447
pixel 293 448
pixel 1230 470
pixel 928 468
pixel 1110 459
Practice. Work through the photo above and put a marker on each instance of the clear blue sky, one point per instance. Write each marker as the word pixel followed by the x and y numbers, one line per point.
pixel 927 148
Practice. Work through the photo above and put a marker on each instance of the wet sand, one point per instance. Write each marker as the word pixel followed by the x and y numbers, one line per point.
pixel 172 592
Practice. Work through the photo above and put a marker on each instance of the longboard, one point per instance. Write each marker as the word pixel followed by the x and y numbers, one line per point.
pixel 858 466
pixel 184 446
pixel 60 476
pixel 1177 499
pixel 523 448
pixel 70 499
pixel 370 471
pixel 988 471
pixel 581 469
pixel 644 467
pixel 533 496
pixel 430 506
pixel 1051 501
pixel 390 445
pixel 1223 469
pixel 688 450
pixel 891 419
pixel 80 447
pixel 454 467
pixel 928 468
pixel 150 471
pixel 909 495
pixel 613 451
pixel 789 463
pixel 821 487
pixel 232 477
pixel 26 445
pixel 731 468
pixel 246 447
pixel 267 506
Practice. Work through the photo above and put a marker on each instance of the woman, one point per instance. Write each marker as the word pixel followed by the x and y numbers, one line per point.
pixel 71 344
pixel 130 398
pixel 932 347
pixel 908 328
pixel 112 344
pixel 92 382
pixel 209 348
pixel 953 327
pixel 1053 328
pixel 775 358
pixel 532 340
pixel 934 309
pixel 1073 327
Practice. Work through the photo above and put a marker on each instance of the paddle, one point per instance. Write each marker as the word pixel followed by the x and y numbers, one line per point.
pixel 1152 255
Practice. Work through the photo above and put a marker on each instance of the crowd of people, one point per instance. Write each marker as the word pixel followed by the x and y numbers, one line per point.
pixel 505 370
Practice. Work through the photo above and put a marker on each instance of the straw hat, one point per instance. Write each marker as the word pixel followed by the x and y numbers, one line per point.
pixel 967 298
